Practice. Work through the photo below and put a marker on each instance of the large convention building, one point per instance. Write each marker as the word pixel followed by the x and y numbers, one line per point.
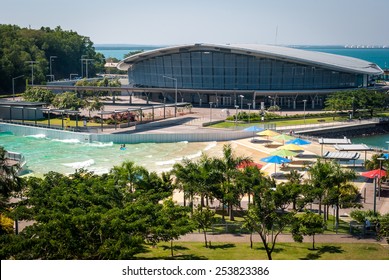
pixel 245 75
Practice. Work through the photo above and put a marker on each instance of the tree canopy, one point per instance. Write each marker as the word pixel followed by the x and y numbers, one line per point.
pixel 86 216
pixel 19 45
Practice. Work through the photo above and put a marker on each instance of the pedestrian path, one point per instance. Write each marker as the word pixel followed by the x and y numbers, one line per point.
pixel 241 238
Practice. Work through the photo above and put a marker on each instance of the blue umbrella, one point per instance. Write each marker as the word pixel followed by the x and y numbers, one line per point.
pixel 254 129
pixel 275 160
pixel 298 141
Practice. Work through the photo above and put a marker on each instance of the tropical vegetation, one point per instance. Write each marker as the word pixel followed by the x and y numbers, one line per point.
pixel 121 214
pixel 23 48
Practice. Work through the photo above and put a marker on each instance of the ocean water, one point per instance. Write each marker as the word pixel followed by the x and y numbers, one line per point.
pixel 380 141
pixel 65 156
pixel 380 56
pixel 119 51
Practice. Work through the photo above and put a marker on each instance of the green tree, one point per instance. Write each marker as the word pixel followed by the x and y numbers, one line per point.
pixel 38 95
pixel 204 218
pixel 383 228
pixel 266 218
pixel 307 224
pixel 354 100
pixel 20 45
pixel 94 105
pixel 172 223
pixel 247 178
pixel 85 216
pixel 68 100
pixel 227 178
pixel 9 179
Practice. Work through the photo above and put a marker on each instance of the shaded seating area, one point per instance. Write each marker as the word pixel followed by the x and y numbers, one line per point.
pixel 333 141
pixel 342 156
pixel 345 156
pixel 353 148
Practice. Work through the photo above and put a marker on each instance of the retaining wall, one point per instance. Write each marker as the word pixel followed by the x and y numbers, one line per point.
pixel 124 138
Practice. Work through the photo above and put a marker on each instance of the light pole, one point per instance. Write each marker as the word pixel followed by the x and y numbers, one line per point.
pixel 241 102
pixel 86 66
pixel 82 65
pixel 13 86
pixel 236 116
pixel 175 98
pixel 249 104
pixel 210 111
pixel 305 102
pixel 380 159
pixel 32 62
pixel 51 72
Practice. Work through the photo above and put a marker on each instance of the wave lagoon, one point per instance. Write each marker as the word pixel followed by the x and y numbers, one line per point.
pixel 65 156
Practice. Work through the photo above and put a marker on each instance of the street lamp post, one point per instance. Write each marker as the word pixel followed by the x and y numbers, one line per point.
pixel 13 86
pixel 51 72
pixel 236 116
pixel 380 159
pixel 305 101
pixel 241 102
pixel 82 65
pixel 210 111
pixel 375 195
pixel 32 62
pixel 86 66
pixel 249 104
pixel 175 98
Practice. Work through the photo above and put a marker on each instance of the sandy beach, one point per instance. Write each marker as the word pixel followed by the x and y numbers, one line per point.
pixel 261 147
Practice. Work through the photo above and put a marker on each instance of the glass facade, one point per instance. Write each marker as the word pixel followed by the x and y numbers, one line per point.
pixel 229 71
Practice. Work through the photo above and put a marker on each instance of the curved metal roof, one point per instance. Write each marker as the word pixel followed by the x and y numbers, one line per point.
pixel 320 59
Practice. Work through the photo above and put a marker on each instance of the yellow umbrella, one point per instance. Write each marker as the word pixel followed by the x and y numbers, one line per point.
pixel 284 153
pixel 282 137
pixel 268 133
pixel 291 147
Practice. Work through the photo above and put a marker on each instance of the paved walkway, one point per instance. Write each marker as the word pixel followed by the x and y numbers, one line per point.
pixel 320 238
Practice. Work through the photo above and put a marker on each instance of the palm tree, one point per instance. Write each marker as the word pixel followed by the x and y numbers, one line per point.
pixel 227 168
pixel 94 105
pixel 9 179
pixel 339 178
pixel 247 179
pixel 319 179
pixel 187 174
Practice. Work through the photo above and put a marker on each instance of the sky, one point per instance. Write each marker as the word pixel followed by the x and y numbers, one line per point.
pixel 171 22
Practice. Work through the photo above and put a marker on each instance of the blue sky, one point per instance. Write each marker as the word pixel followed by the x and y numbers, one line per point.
pixel 168 22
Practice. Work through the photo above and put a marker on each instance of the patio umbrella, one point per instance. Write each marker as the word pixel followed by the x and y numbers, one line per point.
pixel 291 147
pixel 284 153
pixel 276 160
pixel 298 141
pixel 268 133
pixel 246 164
pixel 374 173
pixel 282 137
pixel 254 129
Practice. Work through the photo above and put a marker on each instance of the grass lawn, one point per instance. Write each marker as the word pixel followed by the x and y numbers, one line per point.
pixel 58 122
pixel 278 123
pixel 283 251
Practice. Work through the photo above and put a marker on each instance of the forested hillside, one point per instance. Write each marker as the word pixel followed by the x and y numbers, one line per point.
pixel 19 46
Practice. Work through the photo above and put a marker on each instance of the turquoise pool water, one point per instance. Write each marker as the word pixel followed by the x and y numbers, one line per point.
pixel 65 156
